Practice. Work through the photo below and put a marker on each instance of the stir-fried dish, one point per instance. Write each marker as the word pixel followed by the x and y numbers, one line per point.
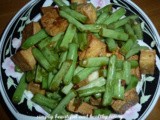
pixel 79 59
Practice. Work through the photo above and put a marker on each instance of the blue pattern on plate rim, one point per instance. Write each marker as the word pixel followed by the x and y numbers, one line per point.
pixel 11 42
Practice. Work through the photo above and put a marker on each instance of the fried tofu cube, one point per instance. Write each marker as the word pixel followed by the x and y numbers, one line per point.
pixel 78 1
pixel 24 59
pixel 59 25
pixel 130 99
pixel 83 109
pixel 147 61
pixel 88 10
pixel 96 48
pixel 35 88
pixel 50 9
pixel 50 14
pixel 30 30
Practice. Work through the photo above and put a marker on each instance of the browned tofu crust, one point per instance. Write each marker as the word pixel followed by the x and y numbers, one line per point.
pixel 59 25
pixel 30 30
pixel 79 1
pixel 131 98
pixel 88 10
pixel 147 61
pixel 96 48
pixel 35 88
pixel 24 59
pixel 49 18
pixel 52 22
pixel 84 108
pixel 50 9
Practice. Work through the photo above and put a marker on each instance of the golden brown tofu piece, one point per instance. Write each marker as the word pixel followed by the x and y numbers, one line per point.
pixel 147 61
pixel 50 9
pixel 48 18
pixel 136 72
pixel 24 59
pixel 78 1
pixel 88 10
pixel 96 48
pixel 30 30
pixel 95 102
pixel 35 88
pixel 83 108
pixel 130 99
pixel 59 25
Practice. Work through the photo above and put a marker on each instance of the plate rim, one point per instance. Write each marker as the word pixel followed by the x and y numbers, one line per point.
pixel 18 115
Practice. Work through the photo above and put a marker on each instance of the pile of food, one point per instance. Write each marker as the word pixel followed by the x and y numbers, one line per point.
pixel 79 59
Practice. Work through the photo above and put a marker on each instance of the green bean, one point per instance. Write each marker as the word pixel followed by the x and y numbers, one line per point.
pixel 95 83
pixel 78 69
pixel 83 42
pixel 68 37
pixel 111 68
pixel 128 29
pixel 30 75
pixel 63 103
pixel 115 16
pixel 62 58
pixel 69 75
pixel 38 76
pixel 112 45
pixel 72 52
pixel 119 63
pixel 118 89
pixel 48 110
pixel 75 39
pixel 126 47
pixel 94 62
pixel 44 101
pixel 44 42
pixel 50 77
pixel 138 31
pixel 17 69
pixel 50 41
pixel 83 74
pixel 60 75
pixel 51 56
pixel 121 22
pixel 72 20
pixel 20 89
pixel 91 91
pixel 66 89
pixel 78 16
pixel 54 95
pixel 45 82
pixel 102 18
pixel 127 71
pixel 134 63
pixel 41 59
pixel 113 34
pixel 59 2
pixel 34 39
pixel 97 112
pixel 106 9
pixel 132 52
pixel 72 55
pixel 133 83
pixel 94 28
pixel 107 96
